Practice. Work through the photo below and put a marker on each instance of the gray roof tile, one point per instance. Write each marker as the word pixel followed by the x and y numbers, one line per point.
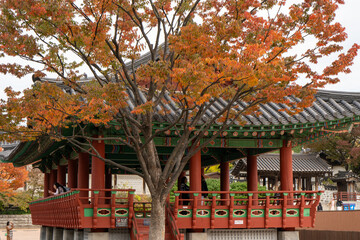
pixel 302 163
pixel 329 105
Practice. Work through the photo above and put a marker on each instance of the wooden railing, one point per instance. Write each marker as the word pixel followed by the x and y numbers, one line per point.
pixel 170 219
pixel 345 196
pixel 134 229
pixel 270 209
pixel 56 211
pixel 85 208
pixel 142 209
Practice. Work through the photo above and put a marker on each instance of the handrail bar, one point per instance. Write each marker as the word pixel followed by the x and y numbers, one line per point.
pixel 134 226
pixel 172 224
pixel 73 190
pixel 247 192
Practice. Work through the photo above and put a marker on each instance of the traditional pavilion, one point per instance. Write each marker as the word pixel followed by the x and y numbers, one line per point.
pixel 96 208
pixel 346 185
pixel 305 168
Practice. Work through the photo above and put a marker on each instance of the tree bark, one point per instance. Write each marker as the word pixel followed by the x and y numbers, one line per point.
pixel 157 223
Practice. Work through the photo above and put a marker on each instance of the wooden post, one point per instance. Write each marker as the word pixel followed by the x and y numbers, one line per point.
pixel 83 176
pixel 264 181
pixel 195 182
pixel 308 184
pixel 61 175
pixel 252 176
pixel 224 181
pixel 72 173
pixel 115 181
pixel 108 178
pixel 46 184
pixel 276 184
pixel 286 172
pixel 52 179
pixel 98 169
pixel 195 172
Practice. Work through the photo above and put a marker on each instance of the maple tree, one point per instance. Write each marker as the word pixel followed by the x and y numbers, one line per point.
pixel 11 179
pixel 198 52
pixel 340 149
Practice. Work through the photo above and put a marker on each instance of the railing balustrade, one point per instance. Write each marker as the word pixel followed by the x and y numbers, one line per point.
pixel 170 219
pixel 261 209
pixel 346 196
pixel 102 208
pixel 85 208
pixel 134 229
pixel 142 209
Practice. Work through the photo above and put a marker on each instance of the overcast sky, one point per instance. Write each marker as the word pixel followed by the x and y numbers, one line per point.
pixel 348 15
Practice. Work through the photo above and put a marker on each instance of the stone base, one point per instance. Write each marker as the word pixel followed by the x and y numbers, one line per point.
pixel 43 233
pixel 288 235
pixel 78 234
pixel 49 233
pixel 197 236
pixel 97 235
pixel 57 233
pixel 68 234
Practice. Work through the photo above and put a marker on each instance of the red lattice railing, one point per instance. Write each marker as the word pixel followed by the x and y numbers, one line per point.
pixel 346 196
pixel 171 222
pixel 85 208
pixel 270 209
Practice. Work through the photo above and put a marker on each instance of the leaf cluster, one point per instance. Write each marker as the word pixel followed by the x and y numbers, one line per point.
pixel 208 62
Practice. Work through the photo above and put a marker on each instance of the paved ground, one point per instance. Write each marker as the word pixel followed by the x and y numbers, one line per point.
pixel 23 234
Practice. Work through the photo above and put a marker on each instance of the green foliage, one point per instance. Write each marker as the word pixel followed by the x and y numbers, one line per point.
pixel 297 149
pixel 328 182
pixel 173 189
pixel 238 186
pixel 216 168
pixel 340 149
pixel 17 201
pixel 142 198
pixel 14 211
pixel 213 184
pixel 242 187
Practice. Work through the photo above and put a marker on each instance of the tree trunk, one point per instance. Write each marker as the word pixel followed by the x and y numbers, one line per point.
pixel 157 224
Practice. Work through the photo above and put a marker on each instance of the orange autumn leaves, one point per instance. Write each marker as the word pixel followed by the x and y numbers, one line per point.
pixel 212 49
pixel 45 108
pixel 11 178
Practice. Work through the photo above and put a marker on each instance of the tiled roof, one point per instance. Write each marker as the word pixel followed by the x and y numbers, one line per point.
pixel 345 175
pixel 328 105
pixel 302 163
pixel 7 149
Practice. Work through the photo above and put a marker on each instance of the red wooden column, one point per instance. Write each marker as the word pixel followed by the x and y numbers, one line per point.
pixel 108 185
pixel 252 175
pixel 72 173
pixel 195 184
pixel 195 172
pixel 83 176
pixel 224 180
pixel 98 169
pixel 61 175
pixel 46 184
pixel 52 179
pixel 286 172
